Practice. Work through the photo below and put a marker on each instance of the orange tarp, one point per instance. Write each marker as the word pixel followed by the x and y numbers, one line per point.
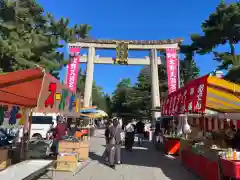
pixel 21 87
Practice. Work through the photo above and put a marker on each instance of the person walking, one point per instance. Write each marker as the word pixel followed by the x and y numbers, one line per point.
pixel 129 137
pixel 115 131
pixel 107 139
pixel 60 131
pixel 140 131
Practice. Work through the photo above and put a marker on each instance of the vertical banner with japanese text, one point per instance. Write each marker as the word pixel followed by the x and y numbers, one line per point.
pixel 72 68
pixel 172 69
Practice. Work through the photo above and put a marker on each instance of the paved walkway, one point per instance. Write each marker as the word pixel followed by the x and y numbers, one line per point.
pixel 143 163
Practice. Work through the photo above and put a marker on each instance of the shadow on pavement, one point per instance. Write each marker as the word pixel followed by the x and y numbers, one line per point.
pixel 148 156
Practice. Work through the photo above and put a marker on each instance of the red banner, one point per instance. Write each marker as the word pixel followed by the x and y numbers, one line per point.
pixel 172 69
pixel 191 98
pixel 72 69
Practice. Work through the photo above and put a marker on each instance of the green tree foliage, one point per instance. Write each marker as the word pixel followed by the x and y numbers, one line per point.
pixel 120 97
pixel 136 100
pixel 188 67
pixel 99 99
pixel 221 28
pixel 28 37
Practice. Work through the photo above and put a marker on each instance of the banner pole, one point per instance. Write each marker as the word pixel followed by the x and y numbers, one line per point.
pixel 179 78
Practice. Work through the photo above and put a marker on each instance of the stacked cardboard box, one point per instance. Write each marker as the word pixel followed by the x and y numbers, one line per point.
pixel 80 148
pixel 4 159
pixel 67 161
pixel 83 152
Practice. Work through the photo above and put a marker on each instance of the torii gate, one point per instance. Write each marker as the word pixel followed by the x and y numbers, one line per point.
pixel 152 45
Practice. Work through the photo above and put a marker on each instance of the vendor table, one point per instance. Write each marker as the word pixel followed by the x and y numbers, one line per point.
pixel 200 165
pixel 26 170
pixel 230 168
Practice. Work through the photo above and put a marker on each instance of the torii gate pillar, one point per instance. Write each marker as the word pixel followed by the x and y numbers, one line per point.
pixel 155 84
pixel 89 77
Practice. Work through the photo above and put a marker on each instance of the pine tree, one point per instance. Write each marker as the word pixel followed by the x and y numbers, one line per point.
pixel 29 38
pixel 221 28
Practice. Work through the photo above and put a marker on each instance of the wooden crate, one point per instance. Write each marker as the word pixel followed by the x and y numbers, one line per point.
pixel 67 162
pixel 68 157
pixel 68 144
pixel 66 166
pixel 67 150
pixel 5 163
pixel 3 154
pixel 83 152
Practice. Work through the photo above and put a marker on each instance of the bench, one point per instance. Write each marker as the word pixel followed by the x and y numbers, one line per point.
pixel 26 170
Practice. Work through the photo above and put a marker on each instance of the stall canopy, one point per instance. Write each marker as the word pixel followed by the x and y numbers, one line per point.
pixel 202 94
pixel 97 114
pixel 34 88
pixel 21 87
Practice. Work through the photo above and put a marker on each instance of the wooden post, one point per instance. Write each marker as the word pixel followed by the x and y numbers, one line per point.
pixel 204 125
pixel 29 134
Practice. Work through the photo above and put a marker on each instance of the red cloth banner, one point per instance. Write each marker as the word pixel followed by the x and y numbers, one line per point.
pixel 172 69
pixel 191 98
pixel 72 69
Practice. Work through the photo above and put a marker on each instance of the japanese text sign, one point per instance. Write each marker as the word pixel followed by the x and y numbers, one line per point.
pixel 190 98
pixel 72 71
pixel 172 69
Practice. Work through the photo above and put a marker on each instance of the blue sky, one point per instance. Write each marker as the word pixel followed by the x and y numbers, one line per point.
pixel 135 20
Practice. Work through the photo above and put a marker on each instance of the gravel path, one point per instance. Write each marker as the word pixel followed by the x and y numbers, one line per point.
pixel 141 164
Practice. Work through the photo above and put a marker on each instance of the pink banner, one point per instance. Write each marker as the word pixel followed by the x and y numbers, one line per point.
pixel 172 69
pixel 72 70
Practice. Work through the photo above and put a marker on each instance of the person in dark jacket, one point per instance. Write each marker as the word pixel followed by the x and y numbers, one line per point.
pixel 107 139
pixel 140 131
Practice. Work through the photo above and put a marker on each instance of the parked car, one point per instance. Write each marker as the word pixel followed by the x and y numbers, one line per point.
pixel 41 124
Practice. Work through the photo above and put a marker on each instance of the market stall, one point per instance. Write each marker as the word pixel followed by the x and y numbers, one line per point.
pixel 203 108
pixel 35 91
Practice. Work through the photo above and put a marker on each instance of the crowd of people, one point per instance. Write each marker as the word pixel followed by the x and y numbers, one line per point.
pixel 116 134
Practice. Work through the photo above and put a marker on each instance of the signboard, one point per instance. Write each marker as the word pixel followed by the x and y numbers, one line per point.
pixel 57 98
pixel 172 69
pixel 191 98
pixel 72 69
pixel 122 53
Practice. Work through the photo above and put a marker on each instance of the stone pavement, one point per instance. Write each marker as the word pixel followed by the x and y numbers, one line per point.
pixel 143 163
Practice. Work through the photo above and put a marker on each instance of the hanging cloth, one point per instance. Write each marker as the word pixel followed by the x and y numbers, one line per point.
pixel 22 120
pixel 13 113
pixel 1 115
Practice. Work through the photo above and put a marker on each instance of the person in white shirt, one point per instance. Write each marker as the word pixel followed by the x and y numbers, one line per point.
pixel 129 137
